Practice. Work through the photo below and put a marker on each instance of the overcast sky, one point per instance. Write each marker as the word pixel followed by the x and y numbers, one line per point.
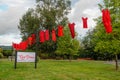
pixel 12 10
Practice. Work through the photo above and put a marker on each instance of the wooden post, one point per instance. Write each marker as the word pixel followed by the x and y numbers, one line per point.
pixel 116 61
pixel 35 60
pixel 15 64
pixel 37 44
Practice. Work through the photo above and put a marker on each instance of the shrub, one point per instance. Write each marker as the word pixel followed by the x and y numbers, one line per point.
pixel 7 53
pixel 1 55
pixel 38 58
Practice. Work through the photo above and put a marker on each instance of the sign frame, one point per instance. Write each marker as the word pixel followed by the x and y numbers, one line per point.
pixel 25 58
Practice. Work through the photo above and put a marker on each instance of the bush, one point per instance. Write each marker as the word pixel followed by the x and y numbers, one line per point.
pixel 38 58
pixel 43 56
pixel 7 53
pixel 1 55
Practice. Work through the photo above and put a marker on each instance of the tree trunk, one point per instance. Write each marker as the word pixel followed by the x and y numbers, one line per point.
pixel 116 61
pixel 70 58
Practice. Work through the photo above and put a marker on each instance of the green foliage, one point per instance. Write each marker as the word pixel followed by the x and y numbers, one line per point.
pixel 87 47
pixel 28 24
pixel 1 50
pixel 99 43
pixel 7 53
pixel 66 45
pixel 44 56
pixel 108 47
pixel 1 55
pixel 108 43
pixel 48 14
pixel 52 12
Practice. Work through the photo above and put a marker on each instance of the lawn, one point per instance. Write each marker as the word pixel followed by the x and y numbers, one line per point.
pixel 59 70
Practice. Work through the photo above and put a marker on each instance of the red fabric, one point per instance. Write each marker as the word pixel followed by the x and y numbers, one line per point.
pixel 106 20
pixel 72 30
pixel 33 38
pixel 47 35
pixel 84 22
pixel 42 36
pixel 53 35
pixel 30 40
pixel 60 31
pixel 17 47
pixel 23 45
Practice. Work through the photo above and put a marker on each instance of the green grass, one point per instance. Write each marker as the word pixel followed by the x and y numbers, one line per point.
pixel 59 70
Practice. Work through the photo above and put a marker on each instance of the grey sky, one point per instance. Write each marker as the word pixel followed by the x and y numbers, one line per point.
pixel 12 10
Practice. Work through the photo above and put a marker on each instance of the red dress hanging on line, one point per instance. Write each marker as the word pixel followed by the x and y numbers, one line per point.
pixel 42 36
pixel 30 40
pixel 106 20
pixel 53 35
pixel 85 25
pixel 33 38
pixel 23 45
pixel 47 35
pixel 60 31
pixel 72 30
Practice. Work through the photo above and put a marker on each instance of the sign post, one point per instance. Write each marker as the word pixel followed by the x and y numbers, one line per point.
pixel 35 60
pixel 15 59
pixel 37 44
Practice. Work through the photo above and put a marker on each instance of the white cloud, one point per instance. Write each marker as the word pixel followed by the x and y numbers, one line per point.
pixel 9 38
pixel 9 19
pixel 84 8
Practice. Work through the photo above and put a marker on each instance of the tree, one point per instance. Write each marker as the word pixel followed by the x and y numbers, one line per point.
pixel 52 12
pixel 1 53
pixel 66 45
pixel 28 23
pixel 48 14
pixel 108 43
pixel 88 46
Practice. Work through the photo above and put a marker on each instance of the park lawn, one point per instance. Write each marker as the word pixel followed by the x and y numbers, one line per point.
pixel 59 70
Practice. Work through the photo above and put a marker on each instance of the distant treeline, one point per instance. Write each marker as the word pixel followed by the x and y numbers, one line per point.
pixel 6 47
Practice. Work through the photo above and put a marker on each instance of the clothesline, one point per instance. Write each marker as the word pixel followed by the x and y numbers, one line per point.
pixel 44 35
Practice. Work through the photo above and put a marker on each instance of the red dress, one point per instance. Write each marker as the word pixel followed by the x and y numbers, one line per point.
pixel 47 35
pixel 84 22
pixel 53 35
pixel 42 36
pixel 60 31
pixel 23 45
pixel 72 30
pixel 33 38
pixel 30 40
pixel 106 20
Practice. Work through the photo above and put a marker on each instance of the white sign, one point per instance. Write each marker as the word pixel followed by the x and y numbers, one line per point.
pixel 25 56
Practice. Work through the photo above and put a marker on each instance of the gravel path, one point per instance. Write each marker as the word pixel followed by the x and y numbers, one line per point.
pixel 112 62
